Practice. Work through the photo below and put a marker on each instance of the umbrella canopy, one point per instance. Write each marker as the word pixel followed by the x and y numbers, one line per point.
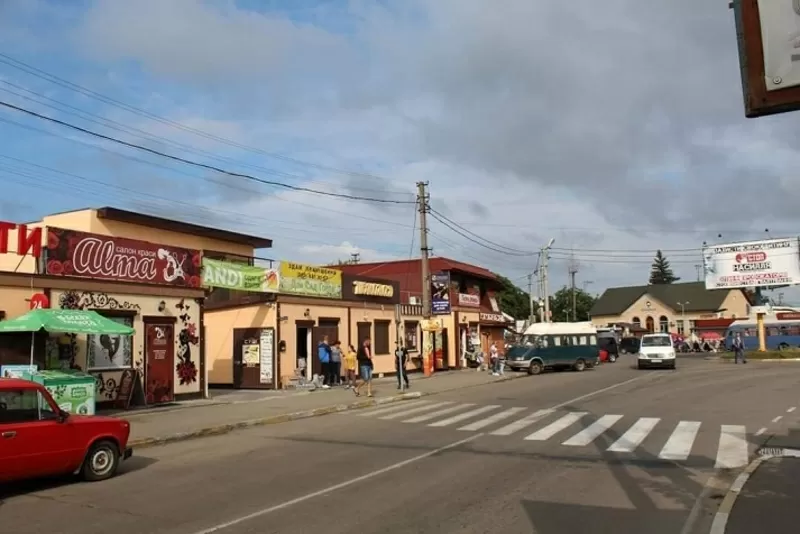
pixel 65 322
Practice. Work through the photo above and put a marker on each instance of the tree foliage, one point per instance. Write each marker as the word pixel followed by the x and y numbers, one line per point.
pixel 512 300
pixel 561 305
pixel 661 271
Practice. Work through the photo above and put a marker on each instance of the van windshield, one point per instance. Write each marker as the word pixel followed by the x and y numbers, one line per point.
pixel 529 340
pixel 657 341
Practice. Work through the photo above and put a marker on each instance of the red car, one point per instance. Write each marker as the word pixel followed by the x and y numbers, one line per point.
pixel 38 439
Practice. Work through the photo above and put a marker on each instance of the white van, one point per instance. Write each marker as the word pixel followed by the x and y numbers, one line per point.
pixel 656 350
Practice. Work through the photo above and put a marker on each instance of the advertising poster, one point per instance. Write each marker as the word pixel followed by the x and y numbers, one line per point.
pixel 239 276
pixel 780 37
pixel 773 262
pixel 267 343
pixel 440 293
pixel 310 281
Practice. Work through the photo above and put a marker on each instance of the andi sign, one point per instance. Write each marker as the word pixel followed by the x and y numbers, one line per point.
pixel 27 242
pixel 71 253
pixel 239 276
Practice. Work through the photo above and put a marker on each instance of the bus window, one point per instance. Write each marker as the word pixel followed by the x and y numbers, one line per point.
pixel 583 340
pixel 542 342
pixel 593 340
pixel 556 341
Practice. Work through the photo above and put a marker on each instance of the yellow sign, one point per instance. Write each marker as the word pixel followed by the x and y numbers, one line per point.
pixel 373 290
pixel 311 281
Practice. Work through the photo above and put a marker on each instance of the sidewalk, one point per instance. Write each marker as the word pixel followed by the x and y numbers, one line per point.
pixel 768 500
pixel 156 427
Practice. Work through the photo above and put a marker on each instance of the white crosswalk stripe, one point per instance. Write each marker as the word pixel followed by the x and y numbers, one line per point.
pixel 554 428
pixel 464 416
pixel 679 445
pixel 404 413
pixel 496 418
pixel 732 451
pixel 434 415
pixel 593 431
pixel 522 424
pixel 635 435
pixel 393 408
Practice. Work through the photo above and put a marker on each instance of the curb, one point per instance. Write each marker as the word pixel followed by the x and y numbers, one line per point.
pixel 726 506
pixel 730 360
pixel 218 430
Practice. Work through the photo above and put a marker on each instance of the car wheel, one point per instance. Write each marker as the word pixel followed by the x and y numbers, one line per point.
pixel 612 358
pixel 535 368
pixel 102 461
pixel 673 366
pixel 580 365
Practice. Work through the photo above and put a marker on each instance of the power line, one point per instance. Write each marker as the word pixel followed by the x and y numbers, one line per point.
pixel 511 251
pixel 197 163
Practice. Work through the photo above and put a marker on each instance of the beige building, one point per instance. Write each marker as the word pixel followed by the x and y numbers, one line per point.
pixel 668 307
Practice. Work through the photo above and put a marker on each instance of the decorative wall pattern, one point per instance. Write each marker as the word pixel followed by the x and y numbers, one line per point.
pixel 187 336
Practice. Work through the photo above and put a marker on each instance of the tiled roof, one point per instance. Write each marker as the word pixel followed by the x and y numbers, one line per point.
pixel 616 300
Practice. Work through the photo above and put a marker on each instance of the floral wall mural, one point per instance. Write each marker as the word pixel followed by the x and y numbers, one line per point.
pixel 187 337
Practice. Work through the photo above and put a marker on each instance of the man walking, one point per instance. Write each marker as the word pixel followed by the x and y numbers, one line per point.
pixel 738 348
pixel 324 353
pixel 400 361
pixel 365 367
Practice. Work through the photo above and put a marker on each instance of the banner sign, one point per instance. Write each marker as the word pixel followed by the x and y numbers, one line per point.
pixel 239 276
pixel 71 253
pixel 440 293
pixel 310 281
pixel 774 262
pixel 492 317
pixel 466 299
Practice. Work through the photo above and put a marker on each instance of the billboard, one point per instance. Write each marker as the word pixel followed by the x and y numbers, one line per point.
pixel 774 262
pixel 239 276
pixel 310 281
pixel 440 293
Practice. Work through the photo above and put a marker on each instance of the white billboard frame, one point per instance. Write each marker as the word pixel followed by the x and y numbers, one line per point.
pixel 750 264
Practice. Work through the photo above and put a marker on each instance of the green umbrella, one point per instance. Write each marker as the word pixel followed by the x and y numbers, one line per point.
pixel 65 321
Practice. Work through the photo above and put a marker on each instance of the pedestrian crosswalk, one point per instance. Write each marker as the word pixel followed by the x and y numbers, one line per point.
pixel 676 442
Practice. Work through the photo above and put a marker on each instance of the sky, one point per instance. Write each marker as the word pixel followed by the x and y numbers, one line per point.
pixel 615 128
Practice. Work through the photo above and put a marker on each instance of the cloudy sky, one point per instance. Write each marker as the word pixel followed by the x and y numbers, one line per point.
pixel 614 127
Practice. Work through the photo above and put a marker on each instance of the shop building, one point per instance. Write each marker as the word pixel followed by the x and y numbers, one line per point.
pixel 265 338
pixel 135 269
pixel 673 308
pixel 464 303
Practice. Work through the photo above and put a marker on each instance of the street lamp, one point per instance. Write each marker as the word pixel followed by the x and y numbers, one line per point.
pixel 683 315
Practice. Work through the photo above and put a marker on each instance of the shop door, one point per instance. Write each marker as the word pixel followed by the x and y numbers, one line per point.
pixel 247 358
pixel 160 362
pixel 318 333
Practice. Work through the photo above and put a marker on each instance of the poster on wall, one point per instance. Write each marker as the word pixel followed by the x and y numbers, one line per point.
pixel 440 293
pixel 239 276
pixel 310 281
pixel 773 262
pixel 71 253
pixel 109 352
pixel 17 371
pixel 267 342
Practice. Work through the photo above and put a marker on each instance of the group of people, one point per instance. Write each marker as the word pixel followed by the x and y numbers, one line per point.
pixel 496 363
pixel 353 368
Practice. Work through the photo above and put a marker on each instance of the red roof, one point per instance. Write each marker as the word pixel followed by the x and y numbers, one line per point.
pixel 436 264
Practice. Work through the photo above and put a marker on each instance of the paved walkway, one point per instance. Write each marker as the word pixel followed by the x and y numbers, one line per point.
pixel 218 416
pixel 768 501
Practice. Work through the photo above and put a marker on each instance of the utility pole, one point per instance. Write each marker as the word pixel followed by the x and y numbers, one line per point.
pixel 545 255
pixel 427 334
pixel 697 268
pixel 573 270
pixel 530 297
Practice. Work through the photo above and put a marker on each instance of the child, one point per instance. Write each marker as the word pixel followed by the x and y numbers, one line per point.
pixel 350 364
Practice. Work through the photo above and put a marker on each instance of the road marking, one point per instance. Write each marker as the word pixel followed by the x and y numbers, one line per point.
pixel 761 431
pixel 557 426
pixel 790 410
pixel 777 419
pixel 592 432
pixel 732 451
pixel 335 487
pixel 398 415
pixel 469 415
pixel 680 443
pixel 477 425
pixel 437 413
pixel 393 408
pixel 520 424
pixel 635 435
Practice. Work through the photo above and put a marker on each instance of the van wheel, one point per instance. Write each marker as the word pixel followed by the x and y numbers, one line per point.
pixel 535 368
pixel 612 358
pixel 580 365
pixel 102 461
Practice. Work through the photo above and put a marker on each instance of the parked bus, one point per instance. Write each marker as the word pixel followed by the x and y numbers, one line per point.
pixel 781 334
pixel 555 346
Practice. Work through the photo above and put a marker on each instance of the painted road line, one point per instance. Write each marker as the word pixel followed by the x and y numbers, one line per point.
pixel 775 420
pixel 790 410
pixel 483 423
pixel 593 431
pixel 521 424
pixel 635 435
pixel 382 410
pixel 680 443
pixel 732 451
pixel 464 416
pixel 405 413
pixel 437 413
pixel 761 430
pixel 557 426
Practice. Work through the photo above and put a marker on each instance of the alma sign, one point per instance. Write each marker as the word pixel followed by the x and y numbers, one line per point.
pixel 27 242
pixel 372 289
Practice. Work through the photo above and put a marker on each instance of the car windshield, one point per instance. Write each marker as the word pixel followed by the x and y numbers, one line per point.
pixel 657 341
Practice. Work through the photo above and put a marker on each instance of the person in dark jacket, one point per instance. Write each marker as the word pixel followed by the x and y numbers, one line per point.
pixel 400 361
pixel 364 356
pixel 738 348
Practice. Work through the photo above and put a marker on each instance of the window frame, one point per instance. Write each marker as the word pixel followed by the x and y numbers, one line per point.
pixel 381 347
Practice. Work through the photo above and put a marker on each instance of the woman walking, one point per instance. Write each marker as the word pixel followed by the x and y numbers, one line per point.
pixel 336 363
pixel 364 357
pixel 350 366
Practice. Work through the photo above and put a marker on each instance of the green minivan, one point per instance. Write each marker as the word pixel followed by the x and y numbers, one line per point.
pixel 555 346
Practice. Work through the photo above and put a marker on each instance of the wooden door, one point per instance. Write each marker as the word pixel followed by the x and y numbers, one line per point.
pixel 160 362
pixel 247 358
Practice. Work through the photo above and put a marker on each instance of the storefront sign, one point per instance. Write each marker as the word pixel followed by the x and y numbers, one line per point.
pixel 788 316
pixel 311 281
pixel 27 242
pixel 465 299
pixel 39 301
pixel 493 317
pixel 440 293
pixel 71 253
pixel 239 276
pixel 373 290
pixel 773 262
pixel 267 343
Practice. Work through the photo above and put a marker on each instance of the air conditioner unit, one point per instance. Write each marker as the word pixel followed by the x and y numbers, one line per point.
pixel 414 301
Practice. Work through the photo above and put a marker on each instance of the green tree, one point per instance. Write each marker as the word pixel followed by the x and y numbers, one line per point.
pixel 513 300
pixel 661 272
pixel 561 305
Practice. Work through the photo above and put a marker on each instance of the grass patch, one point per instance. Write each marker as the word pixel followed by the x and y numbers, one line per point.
pixel 768 355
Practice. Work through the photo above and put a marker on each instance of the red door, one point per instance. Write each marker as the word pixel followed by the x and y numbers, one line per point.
pixel 160 360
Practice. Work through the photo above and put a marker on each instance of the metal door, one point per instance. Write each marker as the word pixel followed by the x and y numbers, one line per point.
pixel 160 360
pixel 247 358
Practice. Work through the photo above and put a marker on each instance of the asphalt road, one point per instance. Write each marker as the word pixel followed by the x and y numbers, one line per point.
pixel 427 466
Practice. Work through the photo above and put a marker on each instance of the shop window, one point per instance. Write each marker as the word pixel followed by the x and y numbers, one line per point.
pixel 663 323
pixel 381 343
pixel 412 335
pixel 650 324
pixel 636 321
pixel 681 329
pixel 364 332
pixel 106 352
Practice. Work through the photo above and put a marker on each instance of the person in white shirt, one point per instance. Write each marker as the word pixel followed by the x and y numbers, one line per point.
pixel 495 359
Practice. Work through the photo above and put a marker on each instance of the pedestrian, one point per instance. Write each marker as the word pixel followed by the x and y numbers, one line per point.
pixel 400 361
pixel 324 353
pixel 350 366
pixel 495 359
pixel 336 363
pixel 738 348
pixel 364 356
